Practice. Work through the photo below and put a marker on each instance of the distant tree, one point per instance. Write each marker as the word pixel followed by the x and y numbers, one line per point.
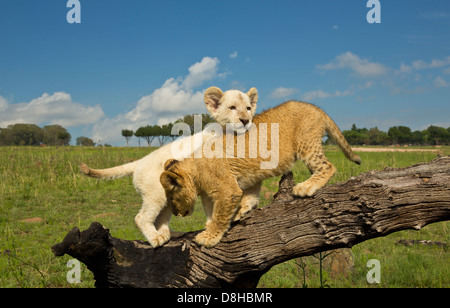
pixel 168 130
pixel 25 134
pixel 5 136
pixel 64 138
pixel 448 136
pixel 400 134
pixel 417 138
pixel 31 134
pixel 396 135
pixel 172 137
pixel 356 136
pixel 127 134
pixel 190 120
pixel 147 132
pixel 139 133
pixel 85 141
pixel 165 133
pixel 438 135
pixel 156 131
pixel 377 137
pixel 56 135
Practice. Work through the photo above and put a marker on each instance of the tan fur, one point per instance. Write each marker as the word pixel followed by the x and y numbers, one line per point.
pixel 301 128
pixel 153 219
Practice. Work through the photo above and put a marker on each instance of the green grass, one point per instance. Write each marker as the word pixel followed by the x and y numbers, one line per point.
pixel 45 182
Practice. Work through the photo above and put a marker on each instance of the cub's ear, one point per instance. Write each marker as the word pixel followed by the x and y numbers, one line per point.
pixel 170 180
pixel 253 95
pixel 212 99
pixel 169 163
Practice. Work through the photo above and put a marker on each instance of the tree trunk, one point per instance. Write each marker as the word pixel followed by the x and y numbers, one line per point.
pixel 374 204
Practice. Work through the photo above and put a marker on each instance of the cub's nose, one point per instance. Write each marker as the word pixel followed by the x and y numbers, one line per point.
pixel 244 121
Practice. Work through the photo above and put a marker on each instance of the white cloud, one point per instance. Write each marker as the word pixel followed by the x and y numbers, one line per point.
pixel 234 55
pixel 422 65
pixel 361 67
pixel 201 71
pixel 283 92
pixel 439 82
pixel 174 99
pixel 405 69
pixel 319 94
pixel 366 85
pixel 57 108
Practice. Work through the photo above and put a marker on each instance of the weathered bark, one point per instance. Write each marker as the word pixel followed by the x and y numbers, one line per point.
pixel 374 204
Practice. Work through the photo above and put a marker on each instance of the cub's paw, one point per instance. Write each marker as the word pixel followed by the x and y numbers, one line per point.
pixel 243 211
pixel 207 240
pixel 158 239
pixel 305 189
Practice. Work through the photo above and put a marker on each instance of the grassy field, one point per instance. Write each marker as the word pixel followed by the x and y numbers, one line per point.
pixel 43 196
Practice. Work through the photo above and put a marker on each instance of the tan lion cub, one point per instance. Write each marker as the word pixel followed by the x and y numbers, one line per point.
pixel 301 128
pixel 234 109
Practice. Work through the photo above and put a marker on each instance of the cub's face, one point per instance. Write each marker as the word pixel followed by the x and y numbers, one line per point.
pixel 233 107
pixel 180 190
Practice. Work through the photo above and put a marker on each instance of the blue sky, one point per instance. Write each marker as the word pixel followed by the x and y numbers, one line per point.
pixel 133 63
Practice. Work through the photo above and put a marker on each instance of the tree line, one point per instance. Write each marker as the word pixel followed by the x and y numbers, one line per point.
pixel 56 135
pixel 31 134
pixel 163 133
pixel 397 135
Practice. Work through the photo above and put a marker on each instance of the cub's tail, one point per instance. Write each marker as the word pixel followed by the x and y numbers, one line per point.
pixel 110 173
pixel 334 132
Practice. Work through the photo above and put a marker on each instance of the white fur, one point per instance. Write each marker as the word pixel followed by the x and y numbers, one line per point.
pixel 154 216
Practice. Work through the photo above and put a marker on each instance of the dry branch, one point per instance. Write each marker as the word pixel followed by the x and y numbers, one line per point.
pixel 374 204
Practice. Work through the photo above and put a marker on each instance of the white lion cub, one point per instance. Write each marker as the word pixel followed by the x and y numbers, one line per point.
pixel 235 108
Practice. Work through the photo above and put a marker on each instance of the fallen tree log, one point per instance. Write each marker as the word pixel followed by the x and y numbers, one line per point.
pixel 374 204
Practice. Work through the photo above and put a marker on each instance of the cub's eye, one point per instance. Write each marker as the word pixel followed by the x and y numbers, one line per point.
pixel 249 108
pixel 233 108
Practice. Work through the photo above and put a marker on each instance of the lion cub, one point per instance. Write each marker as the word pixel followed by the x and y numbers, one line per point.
pixel 232 109
pixel 301 128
